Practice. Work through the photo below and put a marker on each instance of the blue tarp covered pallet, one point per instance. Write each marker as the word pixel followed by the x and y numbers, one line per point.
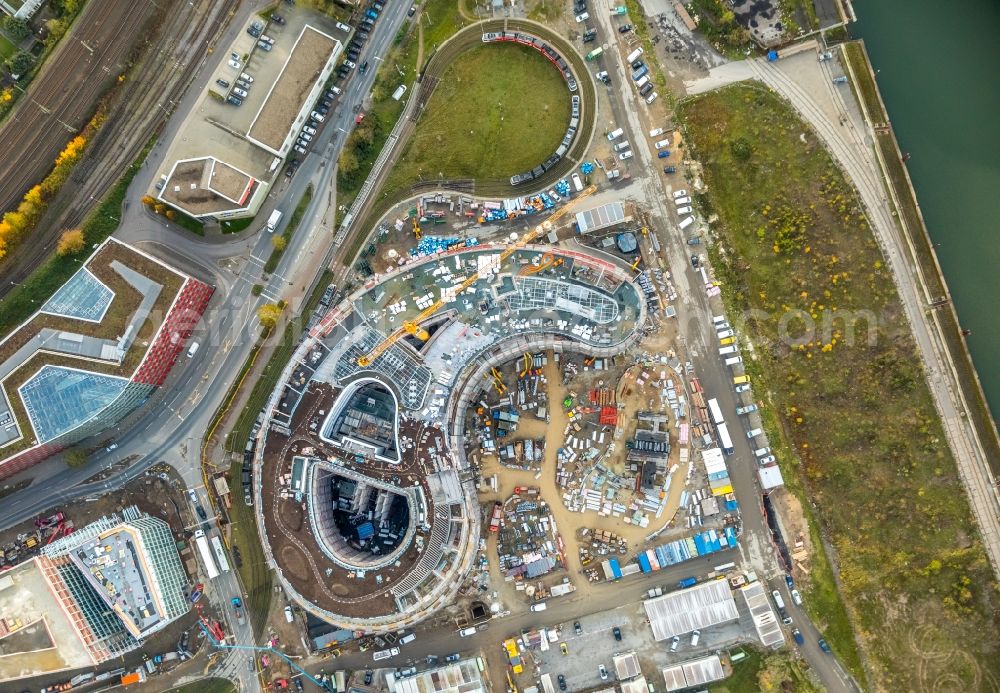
pixel 718 475
pixel 366 530
pixel 644 563
pixel 616 568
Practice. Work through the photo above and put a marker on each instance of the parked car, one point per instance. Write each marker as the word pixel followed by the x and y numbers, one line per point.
pixel 582 17
pixel 663 154
pixel 603 76
pixel 603 671
pixel 277 18
pixel 562 682
pixel 264 46
pixel 240 92
pixel 309 130
pixel 564 648
pixel 412 11
pixel 675 643
pixel 684 210
pixel 222 83
pixel 617 632
pixel 823 646
pixel 246 77
pixel 796 597
pixel 235 64
pixel 453 657
pixel 577 628
pixel 677 194
pixel 656 132
pixel 350 64
pixel 267 39
pixel 624 28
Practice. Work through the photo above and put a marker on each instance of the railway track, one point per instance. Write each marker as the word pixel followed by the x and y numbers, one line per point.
pixel 61 100
pixel 160 76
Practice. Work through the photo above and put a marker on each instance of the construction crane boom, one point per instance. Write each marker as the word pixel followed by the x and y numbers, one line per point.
pixel 413 327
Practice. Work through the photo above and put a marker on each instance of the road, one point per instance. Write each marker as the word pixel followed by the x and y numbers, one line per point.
pixel 630 112
pixel 171 427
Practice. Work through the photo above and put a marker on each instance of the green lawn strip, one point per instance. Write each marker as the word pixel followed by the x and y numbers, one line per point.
pixel 290 227
pixel 190 223
pixel 237 225
pixel 206 686
pixel 864 82
pixel 850 397
pixel 19 304
pixel 7 48
pixel 240 431
pixel 516 123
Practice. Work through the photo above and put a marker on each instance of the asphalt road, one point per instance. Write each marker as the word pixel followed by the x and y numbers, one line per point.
pixel 171 427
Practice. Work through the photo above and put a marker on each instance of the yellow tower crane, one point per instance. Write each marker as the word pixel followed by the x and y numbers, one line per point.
pixel 412 326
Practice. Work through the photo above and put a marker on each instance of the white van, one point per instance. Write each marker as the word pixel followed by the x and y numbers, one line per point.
pixel 754 432
pixel 725 333
pixel 540 606
pixel 615 134
pixel 577 183
pixel 407 639
pixel 727 350
pixel 288 614
pixel 776 595
pixel 652 97
pixel 625 155
pixel 695 637
pixel 685 222
pixel 621 146
pixel 193 349
pixel 642 82
pixel 681 201
pixel 760 452
pixel 684 210
pixel 466 632
pixel 733 360
pixel 662 143
pixel 718 319
pixel 633 55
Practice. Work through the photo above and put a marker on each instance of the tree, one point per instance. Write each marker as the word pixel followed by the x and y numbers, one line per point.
pixel 76 457
pixel 348 163
pixel 71 242
pixel 279 243
pixel 268 315
pixel 16 28
pixel 20 63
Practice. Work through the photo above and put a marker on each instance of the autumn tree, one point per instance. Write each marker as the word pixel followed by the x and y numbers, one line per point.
pixel 71 242
pixel 268 315
pixel 279 242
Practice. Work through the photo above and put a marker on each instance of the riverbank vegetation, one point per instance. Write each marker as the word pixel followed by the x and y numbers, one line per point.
pixel 835 359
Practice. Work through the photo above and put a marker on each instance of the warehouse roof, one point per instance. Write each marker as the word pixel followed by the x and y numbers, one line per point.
pixel 764 619
pixel 686 610
pixel 696 672
pixel 602 217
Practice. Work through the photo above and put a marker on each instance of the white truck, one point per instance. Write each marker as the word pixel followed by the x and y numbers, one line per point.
pixel 273 220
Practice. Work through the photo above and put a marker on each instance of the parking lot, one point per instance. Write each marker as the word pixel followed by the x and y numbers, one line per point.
pixel 218 128
pixel 596 645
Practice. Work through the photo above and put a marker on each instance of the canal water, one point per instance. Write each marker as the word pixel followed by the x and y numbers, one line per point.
pixel 937 69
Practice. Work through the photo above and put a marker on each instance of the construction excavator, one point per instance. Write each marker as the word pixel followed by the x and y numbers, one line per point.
pixel 413 326
pixel 548 260
pixel 498 382
pixel 417 231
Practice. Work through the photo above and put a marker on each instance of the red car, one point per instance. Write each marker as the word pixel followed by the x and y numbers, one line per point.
pixel 280 683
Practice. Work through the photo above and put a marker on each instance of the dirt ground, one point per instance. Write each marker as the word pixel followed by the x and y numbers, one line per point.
pixel 566 520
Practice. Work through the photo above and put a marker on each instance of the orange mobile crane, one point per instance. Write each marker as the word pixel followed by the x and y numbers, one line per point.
pixel 413 326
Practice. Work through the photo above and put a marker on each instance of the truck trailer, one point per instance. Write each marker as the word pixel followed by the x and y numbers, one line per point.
pixel 273 221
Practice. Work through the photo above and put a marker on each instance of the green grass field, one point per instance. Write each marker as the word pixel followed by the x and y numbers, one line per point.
pixel 497 111
pixel 7 48
pixel 837 365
